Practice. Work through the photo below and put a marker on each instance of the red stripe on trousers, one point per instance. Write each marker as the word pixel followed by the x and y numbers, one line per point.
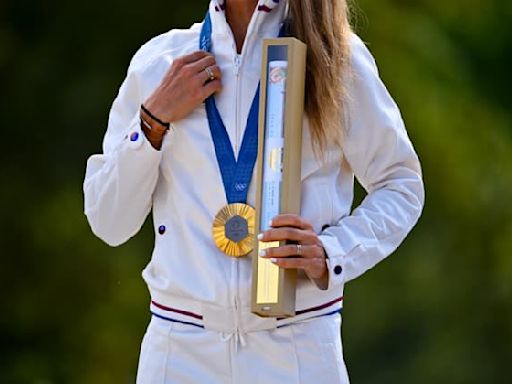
pixel 186 313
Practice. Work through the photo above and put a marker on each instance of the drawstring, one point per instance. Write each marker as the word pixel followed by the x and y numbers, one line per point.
pixel 237 336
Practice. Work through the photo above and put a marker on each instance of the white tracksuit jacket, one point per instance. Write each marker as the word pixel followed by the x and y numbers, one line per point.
pixel 189 279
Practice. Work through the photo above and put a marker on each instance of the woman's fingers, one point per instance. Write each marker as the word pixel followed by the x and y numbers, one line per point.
pixel 315 267
pixel 199 65
pixel 204 75
pixel 305 237
pixel 288 250
pixel 191 58
pixel 210 88
pixel 291 220
pixel 185 86
pixel 308 254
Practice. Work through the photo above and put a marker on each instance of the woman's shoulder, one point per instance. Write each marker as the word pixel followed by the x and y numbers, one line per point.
pixel 175 42
pixel 362 61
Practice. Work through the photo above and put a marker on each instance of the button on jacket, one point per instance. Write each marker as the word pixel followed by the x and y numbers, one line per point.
pixel 182 185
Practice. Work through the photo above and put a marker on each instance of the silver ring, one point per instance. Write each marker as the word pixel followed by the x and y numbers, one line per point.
pixel 210 74
pixel 299 249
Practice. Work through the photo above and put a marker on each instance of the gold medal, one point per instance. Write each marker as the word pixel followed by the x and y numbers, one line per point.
pixel 233 229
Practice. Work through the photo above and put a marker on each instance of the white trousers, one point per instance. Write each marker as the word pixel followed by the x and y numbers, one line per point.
pixel 307 352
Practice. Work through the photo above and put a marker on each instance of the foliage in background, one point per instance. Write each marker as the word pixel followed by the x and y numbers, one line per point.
pixel 439 310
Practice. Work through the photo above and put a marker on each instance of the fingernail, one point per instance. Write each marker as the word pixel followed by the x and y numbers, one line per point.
pixel 273 260
pixel 260 236
pixel 263 253
pixel 270 223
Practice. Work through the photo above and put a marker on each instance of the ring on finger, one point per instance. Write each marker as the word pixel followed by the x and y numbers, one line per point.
pixel 299 249
pixel 209 72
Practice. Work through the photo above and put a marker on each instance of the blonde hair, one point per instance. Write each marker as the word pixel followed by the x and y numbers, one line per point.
pixel 323 25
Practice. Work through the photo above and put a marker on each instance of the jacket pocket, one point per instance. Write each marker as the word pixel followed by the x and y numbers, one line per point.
pixel 155 351
pixel 319 352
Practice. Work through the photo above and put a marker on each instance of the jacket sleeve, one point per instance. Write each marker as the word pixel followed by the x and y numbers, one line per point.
pixel 382 157
pixel 119 183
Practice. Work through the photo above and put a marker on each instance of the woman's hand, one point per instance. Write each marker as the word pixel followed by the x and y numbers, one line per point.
pixel 186 85
pixel 307 254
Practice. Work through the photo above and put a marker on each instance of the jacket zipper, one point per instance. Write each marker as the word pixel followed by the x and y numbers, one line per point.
pixel 237 139
pixel 238 59
pixel 237 64
pixel 237 103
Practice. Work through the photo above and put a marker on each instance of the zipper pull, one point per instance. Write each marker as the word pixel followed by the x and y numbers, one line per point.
pixel 237 64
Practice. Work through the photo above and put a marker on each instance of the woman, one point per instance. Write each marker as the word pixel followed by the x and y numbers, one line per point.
pixel 202 330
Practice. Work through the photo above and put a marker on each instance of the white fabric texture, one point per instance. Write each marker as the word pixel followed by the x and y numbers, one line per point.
pixel 302 353
pixel 182 184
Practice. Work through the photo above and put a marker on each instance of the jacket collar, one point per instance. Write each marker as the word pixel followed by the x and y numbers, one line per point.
pixel 266 20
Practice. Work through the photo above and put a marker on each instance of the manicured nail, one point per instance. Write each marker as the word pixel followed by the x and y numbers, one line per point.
pixel 273 260
pixel 260 236
pixel 263 253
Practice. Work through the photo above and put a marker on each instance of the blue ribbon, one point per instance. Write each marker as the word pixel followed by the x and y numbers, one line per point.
pixel 236 175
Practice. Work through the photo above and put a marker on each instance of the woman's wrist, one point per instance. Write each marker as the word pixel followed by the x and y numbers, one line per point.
pixel 147 112
pixel 153 127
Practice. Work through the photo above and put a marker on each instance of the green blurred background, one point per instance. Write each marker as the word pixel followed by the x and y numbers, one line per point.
pixel 439 310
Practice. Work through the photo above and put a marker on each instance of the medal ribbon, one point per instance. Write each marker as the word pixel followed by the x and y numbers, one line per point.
pixel 236 175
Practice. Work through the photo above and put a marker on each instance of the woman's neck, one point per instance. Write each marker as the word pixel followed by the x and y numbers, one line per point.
pixel 238 16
